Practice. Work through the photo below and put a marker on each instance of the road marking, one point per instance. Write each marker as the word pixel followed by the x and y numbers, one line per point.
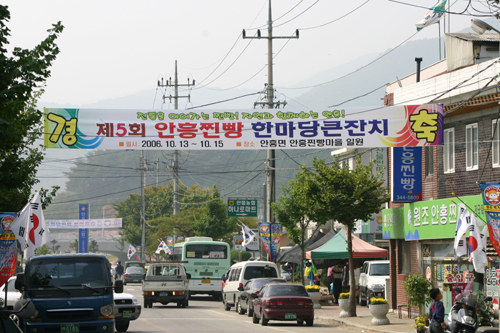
pixel 273 328
pixel 150 323
pixel 220 313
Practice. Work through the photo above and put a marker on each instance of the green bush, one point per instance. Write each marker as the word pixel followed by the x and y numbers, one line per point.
pixel 235 255
pixel 417 288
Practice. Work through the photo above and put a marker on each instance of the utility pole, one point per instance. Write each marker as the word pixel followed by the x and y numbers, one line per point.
pixel 175 163
pixel 143 206
pixel 271 104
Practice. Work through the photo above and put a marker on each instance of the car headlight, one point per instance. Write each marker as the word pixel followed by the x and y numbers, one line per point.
pixel 134 300
pixel 106 310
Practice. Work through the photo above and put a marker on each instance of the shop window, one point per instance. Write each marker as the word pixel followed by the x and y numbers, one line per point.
pixel 449 150
pixel 495 153
pixel 405 257
pixel 429 161
pixel 471 152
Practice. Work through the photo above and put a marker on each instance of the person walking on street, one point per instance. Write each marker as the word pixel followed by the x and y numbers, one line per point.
pixel 436 312
pixel 119 271
pixel 337 281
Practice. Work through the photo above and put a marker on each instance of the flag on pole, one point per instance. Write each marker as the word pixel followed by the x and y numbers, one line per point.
pixel 163 247
pixel 131 251
pixel 433 16
pixel 30 228
pixel 248 234
pixel 463 224
pixel 477 244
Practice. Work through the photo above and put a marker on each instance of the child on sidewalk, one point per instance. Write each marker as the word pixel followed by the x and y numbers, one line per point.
pixel 436 312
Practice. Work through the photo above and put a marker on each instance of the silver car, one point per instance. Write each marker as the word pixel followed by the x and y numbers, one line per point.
pixel 126 309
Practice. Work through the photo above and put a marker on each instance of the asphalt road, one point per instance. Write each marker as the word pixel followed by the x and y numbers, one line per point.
pixel 205 315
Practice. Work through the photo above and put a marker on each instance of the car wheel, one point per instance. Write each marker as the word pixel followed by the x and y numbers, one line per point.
pixel 310 322
pixel 361 302
pixel 255 320
pixel 184 303
pixel 263 319
pixel 227 307
pixel 249 310
pixel 145 304
pixel 122 327
pixel 124 283
pixel 239 309
pixel 300 322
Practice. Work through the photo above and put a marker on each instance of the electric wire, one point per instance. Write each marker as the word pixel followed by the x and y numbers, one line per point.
pixel 337 19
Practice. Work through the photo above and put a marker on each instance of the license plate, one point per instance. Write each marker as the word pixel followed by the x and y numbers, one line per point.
pixel 163 294
pixel 205 280
pixel 70 328
pixel 127 314
pixel 136 280
pixel 290 316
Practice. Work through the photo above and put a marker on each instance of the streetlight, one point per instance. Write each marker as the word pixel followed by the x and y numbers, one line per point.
pixel 480 26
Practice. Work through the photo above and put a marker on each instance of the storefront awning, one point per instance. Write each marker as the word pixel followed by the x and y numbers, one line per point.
pixel 336 248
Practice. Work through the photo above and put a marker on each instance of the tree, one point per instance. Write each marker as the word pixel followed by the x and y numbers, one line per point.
pixel 338 193
pixel 54 247
pixel 73 246
pixel 44 249
pixel 93 247
pixel 214 221
pixel 292 210
pixel 23 77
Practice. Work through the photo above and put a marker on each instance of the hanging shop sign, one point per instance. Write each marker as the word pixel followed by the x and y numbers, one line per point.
pixel 390 126
pixel 372 226
pixel 91 224
pixel 491 200
pixel 242 207
pixel 406 172
pixel 434 219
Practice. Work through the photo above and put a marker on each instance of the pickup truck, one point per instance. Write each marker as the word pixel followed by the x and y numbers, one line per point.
pixel 372 280
pixel 166 282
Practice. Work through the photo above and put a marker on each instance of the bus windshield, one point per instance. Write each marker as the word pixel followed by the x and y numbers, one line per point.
pixel 77 277
pixel 206 251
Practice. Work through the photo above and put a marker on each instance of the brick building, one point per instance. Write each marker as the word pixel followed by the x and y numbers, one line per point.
pixel 466 83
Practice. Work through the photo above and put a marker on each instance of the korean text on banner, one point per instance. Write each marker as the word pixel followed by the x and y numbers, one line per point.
pixel 406 174
pixel 89 224
pixel 265 236
pixel 390 126
pixel 30 228
pixel 276 233
pixel 491 201
pixel 8 248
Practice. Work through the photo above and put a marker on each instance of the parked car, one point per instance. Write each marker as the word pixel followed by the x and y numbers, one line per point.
pixel 372 280
pixel 283 301
pixel 126 309
pixel 239 275
pixel 13 295
pixel 253 286
pixel 286 275
pixel 134 275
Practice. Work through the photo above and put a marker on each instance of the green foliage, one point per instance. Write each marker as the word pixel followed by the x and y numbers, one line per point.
pixel 323 278
pixel 93 246
pixel 235 256
pixel 44 249
pixel 485 313
pixel 23 77
pixel 417 289
pixel 73 246
pixel 54 247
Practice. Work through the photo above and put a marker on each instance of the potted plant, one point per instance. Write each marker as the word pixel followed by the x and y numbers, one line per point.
pixel 379 309
pixel 417 288
pixel 344 305
pixel 315 295
pixel 420 324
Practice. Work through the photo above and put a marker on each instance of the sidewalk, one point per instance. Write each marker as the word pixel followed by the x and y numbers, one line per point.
pixel 330 315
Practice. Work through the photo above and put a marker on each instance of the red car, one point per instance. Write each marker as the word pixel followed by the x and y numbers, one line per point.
pixel 283 301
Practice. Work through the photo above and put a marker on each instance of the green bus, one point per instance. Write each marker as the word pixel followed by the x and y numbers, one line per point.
pixel 207 261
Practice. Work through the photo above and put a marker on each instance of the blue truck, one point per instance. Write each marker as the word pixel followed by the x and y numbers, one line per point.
pixel 72 293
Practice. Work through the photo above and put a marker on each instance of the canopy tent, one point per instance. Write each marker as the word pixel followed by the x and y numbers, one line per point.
pixel 336 248
pixel 293 255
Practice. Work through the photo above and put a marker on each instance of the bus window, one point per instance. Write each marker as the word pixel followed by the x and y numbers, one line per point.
pixel 206 251
pixel 177 253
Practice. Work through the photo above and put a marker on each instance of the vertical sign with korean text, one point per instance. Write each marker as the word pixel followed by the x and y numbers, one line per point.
pixel 406 174
pixel 265 236
pixel 8 248
pixel 276 233
pixel 83 233
pixel 491 200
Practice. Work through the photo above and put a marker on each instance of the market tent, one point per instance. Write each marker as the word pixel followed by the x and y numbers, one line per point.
pixel 293 255
pixel 336 248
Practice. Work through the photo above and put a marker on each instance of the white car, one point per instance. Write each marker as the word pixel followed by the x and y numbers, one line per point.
pixel 13 295
pixel 372 280
pixel 126 309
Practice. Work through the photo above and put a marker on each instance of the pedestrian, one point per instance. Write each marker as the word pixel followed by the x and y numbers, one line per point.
pixel 337 281
pixel 119 271
pixel 436 312
pixel 345 276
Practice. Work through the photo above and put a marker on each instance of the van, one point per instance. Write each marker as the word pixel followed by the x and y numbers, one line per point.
pixel 71 293
pixel 240 273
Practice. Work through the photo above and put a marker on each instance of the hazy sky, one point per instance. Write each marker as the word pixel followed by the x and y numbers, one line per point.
pixel 115 48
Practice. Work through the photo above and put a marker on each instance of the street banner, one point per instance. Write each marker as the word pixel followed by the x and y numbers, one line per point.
pixel 265 236
pixel 276 233
pixel 8 248
pixel 406 174
pixel 170 242
pixel 29 227
pixel 388 126
pixel 131 251
pixel 89 224
pixel 491 201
